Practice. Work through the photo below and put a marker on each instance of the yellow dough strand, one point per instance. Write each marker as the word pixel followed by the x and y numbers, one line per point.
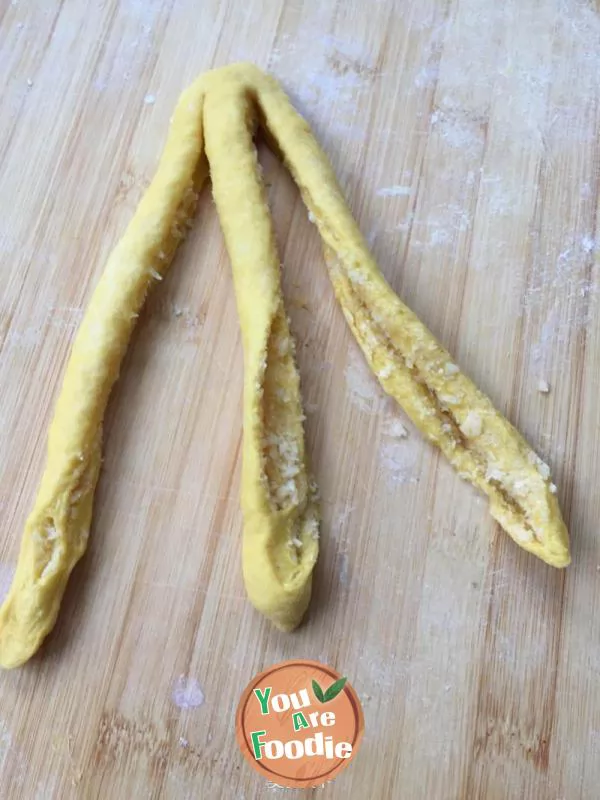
pixel 280 543
pixel 410 363
pixel 279 503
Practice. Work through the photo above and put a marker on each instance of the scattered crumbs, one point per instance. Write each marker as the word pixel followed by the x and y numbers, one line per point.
pixel 363 389
pixel 29 82
pixel 440 236
pixel 398 461
pixel 311 217
pixel 324 69
pixel 553 488
pixel 192 322
pixel 513 72
pixel 6 576
pixel 494 474
pixel 395 191
pixel 187 693
pixel 456 129
pixel 472 425
pixel 395 454
pixel 313 526
pixel 588 244
pixel 344 568
pixel 66 318
pixel 543 469
pixel 5 741
pixel 395 428
pixel 342 514
pixel 183 742
pixel 149 99
pixel 543 387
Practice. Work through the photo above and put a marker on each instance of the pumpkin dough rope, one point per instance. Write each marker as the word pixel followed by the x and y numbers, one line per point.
pixel 56 531
pixel 280 513
pixel 410 363
pixel 280 532
pixel 280 541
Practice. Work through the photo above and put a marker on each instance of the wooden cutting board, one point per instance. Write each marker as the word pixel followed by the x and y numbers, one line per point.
pixel 465 133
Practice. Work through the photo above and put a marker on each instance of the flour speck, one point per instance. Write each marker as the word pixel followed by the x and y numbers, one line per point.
pixel 543 387
pixel 6 575
pixel 187 693
pixel 396 454
pixel 394 191
pixel 588 244
pixel 362 386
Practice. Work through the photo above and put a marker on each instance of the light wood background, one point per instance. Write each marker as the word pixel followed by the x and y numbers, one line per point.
pixel 465 133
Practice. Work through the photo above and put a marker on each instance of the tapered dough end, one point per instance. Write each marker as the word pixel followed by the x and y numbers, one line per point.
pixel 278 578
pixel 55 538
pixel 554 550
pixel 557 559
pixel 551 540
pixel 19 639
pixel 284 606
pixel 31 608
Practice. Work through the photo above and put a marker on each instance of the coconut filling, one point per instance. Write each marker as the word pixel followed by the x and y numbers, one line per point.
pixel 292 495
pixel 458 440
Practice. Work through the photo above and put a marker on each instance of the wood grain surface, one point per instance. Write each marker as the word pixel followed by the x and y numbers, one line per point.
pixel 465 133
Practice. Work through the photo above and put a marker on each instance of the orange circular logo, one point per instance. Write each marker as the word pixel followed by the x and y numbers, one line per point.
pixel 299 723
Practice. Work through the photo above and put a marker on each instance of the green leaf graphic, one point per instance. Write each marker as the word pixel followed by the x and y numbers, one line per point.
pixel 334 689
pixel 318 692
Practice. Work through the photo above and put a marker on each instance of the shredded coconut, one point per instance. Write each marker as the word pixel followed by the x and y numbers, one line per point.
pixel 472 426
